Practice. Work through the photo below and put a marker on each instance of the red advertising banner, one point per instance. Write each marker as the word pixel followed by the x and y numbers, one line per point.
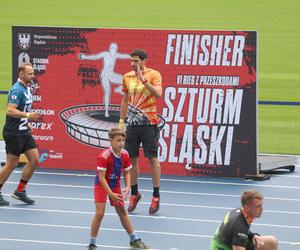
pixel 207 112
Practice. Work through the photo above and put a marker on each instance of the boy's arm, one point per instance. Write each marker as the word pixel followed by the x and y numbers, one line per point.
pixel 115 197
pixel 127 183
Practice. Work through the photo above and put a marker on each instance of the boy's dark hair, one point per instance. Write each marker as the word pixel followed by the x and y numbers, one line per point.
pixel 113 132
pixel 140 53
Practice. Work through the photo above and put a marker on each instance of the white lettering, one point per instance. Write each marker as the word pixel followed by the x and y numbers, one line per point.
pixel 168 113
pixel 43 138
pixel 187 145
pixel 41 125
pixel 214 50
pixel 203 147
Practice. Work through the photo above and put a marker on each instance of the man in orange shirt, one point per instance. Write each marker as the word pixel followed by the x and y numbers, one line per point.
pixel 141 87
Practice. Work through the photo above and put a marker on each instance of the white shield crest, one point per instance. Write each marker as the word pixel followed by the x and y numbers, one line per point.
pixel 24 40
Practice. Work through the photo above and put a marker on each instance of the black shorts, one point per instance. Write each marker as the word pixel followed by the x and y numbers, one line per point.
pixel 17 145
pixel 217 245
pixel 249 245
pixel 147 134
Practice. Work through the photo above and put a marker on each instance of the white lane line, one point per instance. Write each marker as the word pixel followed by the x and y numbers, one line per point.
pixel 234 184
pixel 53 185
pixel 148 190
pixel 221 195
pixel 58 198
pixel 184 181
pixel 287 176
pixel 58 173
pixel 295 243
pixel 108 246
pixel 161 217
pixel 102 228
pixel 163 204
pixel 62 243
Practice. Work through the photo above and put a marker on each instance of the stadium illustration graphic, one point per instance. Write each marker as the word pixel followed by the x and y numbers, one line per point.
pixel 89 125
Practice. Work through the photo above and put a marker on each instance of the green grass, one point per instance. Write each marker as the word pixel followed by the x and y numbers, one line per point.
pixel 3 101
pixel 283 132
pixel 278 24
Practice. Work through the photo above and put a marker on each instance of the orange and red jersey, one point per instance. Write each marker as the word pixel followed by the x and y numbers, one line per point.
pixel 142 108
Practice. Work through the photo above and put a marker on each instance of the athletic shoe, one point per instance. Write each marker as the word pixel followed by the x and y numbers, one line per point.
pixel 92 247
pixel 2 201
pixel 22 196
pixel 134 200
pixel 154 205
pixel 138 244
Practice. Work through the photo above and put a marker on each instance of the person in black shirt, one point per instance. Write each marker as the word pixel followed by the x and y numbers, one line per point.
pixel 17 134
pixel 234 232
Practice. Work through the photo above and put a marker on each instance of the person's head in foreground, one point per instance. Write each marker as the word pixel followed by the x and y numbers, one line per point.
pixel 117 139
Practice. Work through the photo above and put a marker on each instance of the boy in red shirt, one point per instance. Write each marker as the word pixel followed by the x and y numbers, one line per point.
pixel 111 163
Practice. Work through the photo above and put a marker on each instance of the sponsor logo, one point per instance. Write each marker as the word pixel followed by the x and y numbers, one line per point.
pixel 242 235
pixel 37 98
pixel 44 111
pixel 49 154
pixel 42 125
pixel 43 137
pixel 43 156
pixel 34 86
pixel 55 155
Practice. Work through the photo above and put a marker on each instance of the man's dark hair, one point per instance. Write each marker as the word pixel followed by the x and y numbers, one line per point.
pixel 140 53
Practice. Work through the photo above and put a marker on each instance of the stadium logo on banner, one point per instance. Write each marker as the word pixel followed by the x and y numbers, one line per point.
pixel 23 58
pixel 89 125
pixel 24 40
